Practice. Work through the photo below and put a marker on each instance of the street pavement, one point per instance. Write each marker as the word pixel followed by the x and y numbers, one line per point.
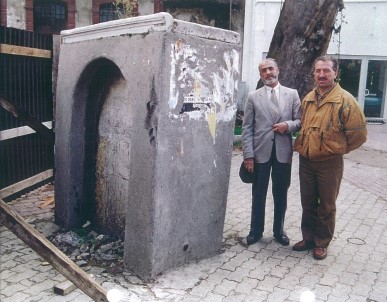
pixel 355 269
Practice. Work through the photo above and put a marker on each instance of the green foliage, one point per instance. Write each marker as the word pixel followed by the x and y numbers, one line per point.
pixel 237 145
pixel 238 130
pixel 124 8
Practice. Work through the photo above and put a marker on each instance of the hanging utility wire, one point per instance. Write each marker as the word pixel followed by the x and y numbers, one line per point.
pixel 230 13
pixel 338 31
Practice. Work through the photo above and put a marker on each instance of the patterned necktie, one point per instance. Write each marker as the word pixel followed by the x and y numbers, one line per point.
pixel 274 103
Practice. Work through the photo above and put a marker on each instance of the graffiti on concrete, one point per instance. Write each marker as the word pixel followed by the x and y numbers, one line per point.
pixel 203 88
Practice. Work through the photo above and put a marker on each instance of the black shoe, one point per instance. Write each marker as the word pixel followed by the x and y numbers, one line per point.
pixel 251 239
pixel 282 239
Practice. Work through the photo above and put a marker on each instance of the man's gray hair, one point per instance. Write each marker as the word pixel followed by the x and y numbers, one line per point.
pixel 267 60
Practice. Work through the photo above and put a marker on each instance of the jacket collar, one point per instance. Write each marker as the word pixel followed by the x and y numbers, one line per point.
pixel 333 96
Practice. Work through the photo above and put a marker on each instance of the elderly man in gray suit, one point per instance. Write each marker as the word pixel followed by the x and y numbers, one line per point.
pixel 271 114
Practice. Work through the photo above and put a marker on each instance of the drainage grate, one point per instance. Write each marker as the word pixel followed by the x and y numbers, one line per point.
pixel 375 121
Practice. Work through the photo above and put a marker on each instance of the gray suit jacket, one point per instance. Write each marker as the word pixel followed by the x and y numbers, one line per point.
pixel 258 136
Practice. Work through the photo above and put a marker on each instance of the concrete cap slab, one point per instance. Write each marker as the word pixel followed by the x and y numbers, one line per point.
pixel 145 24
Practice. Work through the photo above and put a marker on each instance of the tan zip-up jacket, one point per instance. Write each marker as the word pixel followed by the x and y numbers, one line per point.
pixel 336 127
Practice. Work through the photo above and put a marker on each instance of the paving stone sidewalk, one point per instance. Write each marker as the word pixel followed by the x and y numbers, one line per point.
pixel 355 269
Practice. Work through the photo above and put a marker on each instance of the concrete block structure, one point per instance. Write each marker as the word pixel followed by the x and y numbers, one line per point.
pixel 145 113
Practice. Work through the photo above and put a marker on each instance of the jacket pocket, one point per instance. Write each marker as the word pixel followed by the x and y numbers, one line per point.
pixel 299 141
pixel 333 142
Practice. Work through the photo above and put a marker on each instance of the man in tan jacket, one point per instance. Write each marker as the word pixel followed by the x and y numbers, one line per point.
pixel 332 124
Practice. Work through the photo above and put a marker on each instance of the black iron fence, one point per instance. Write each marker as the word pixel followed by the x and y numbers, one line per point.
pixel 26 157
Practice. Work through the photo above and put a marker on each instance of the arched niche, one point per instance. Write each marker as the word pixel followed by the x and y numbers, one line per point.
pixel 101 129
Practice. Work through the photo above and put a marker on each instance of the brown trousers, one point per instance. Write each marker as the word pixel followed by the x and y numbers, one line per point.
pixel 319 185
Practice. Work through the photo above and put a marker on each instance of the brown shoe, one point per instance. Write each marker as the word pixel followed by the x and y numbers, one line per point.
pixel 320 253
pixel 303 245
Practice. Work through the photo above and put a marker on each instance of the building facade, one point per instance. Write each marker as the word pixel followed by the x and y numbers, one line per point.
pixel 362 51
pixel 55 15
pixel 52 16
pixel 361 47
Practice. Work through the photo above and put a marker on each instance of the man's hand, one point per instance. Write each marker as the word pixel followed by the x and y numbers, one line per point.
pixel 280 127
pixel 249 164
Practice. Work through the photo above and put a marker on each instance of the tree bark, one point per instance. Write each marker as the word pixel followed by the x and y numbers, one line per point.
pixel 302 34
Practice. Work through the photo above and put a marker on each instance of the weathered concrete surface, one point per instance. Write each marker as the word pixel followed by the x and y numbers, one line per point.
pixel 144 125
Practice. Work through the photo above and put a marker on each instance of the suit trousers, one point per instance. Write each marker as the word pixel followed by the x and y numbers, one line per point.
pixel 280 177
pixel 319 186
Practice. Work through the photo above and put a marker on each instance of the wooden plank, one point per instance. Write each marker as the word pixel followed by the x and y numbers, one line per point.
pixel 16 224
pixel 27 119
pixel 24 51
pixel 20 131
pixel 47 202
pixel 64 288
pixel 26 183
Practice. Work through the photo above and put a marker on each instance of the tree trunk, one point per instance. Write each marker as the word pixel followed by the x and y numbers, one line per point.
pixel 302 34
